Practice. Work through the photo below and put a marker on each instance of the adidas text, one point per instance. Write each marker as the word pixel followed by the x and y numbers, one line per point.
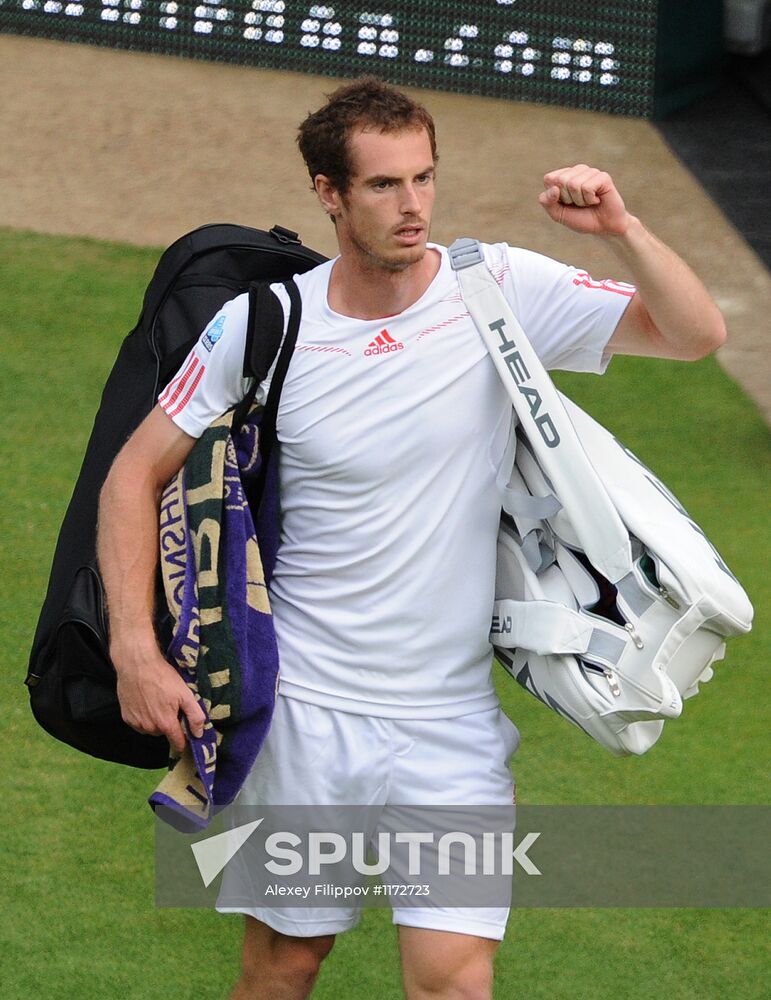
pixel 385 349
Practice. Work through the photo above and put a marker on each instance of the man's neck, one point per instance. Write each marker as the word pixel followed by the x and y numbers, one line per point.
pixel 372 292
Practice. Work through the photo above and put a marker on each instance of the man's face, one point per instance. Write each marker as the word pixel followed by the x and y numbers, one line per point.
pixel 385 216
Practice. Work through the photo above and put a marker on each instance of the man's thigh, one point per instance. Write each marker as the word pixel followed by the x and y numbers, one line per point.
pixel 312 757
pixel 454 771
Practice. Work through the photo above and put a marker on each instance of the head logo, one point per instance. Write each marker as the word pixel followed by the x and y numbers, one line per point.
pixel 213 333
pixel 384 343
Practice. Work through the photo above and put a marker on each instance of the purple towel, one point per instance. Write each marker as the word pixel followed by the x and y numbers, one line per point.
pixel 224 643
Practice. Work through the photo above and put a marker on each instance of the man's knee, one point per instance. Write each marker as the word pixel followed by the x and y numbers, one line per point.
pixel 271 959
pixel 446 965
pixel 471 980
pixel 299 958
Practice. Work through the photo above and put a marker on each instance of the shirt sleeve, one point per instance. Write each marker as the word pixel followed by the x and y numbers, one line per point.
pixel 211 378
pixel 568 316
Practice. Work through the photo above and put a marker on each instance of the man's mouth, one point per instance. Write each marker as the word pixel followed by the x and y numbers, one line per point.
pixel 409 232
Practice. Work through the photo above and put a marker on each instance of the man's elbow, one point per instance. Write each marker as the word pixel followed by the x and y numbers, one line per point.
pixel 720 335
pixel 699 340
pixel 712 339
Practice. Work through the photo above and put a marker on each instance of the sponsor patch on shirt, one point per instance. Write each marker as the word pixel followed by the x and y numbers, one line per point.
pixel 213 333
pixel 384 343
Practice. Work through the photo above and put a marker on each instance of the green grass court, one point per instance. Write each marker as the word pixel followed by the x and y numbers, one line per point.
pixel 78 920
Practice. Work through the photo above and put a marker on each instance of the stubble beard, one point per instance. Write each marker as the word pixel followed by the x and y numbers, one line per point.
pixel 374 261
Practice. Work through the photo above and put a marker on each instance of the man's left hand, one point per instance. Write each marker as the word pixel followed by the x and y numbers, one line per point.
pixel 585 200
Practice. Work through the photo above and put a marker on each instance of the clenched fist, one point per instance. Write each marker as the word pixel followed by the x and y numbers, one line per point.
pixel 585 200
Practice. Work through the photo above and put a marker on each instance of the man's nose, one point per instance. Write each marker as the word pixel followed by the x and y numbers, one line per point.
pixel 410 200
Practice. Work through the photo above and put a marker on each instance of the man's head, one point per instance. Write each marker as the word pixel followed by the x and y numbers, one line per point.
pixel 371 152
pixel 364 105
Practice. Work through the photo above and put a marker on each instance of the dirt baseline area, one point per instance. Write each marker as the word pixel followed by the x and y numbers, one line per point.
pixel 139 148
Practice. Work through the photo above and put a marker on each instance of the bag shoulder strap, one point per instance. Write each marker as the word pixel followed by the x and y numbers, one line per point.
pixel 268 421
pixel 264 333
pixel 542 415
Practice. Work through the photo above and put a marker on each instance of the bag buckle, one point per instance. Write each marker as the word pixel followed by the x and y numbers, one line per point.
pixel 464 253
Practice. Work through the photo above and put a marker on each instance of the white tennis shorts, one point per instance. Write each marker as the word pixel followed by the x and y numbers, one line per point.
pixel 321 756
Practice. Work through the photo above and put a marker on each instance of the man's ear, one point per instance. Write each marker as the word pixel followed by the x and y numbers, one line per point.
pixel 328 195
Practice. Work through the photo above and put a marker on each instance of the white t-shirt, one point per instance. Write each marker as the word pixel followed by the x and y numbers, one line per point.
pixel 392 435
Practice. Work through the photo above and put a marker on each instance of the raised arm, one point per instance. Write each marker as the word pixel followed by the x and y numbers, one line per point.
pixel 672 315
pixel 151 692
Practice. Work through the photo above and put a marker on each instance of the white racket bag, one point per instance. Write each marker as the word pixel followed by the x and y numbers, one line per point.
pixel 611 603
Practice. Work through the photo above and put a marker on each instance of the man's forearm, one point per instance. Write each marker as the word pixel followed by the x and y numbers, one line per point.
pixel 151 692
pixel 127 539
pixel 682 313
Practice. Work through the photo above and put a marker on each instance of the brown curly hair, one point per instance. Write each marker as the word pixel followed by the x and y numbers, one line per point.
pixel 323 136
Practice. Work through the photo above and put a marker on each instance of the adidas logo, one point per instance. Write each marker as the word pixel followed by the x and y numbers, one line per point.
pixel 384 343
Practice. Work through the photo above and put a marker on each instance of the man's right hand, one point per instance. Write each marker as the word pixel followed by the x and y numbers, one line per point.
pixel 153 698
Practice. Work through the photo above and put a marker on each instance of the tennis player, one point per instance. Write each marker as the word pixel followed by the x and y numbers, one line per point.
pixel 392 425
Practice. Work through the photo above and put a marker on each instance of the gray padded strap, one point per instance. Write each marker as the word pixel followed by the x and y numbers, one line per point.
pixel 634 596
pixel 531 550
pixel 541 626
pixel 520 504
pixel 548 628
pixel 539 554
pixel 605 648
